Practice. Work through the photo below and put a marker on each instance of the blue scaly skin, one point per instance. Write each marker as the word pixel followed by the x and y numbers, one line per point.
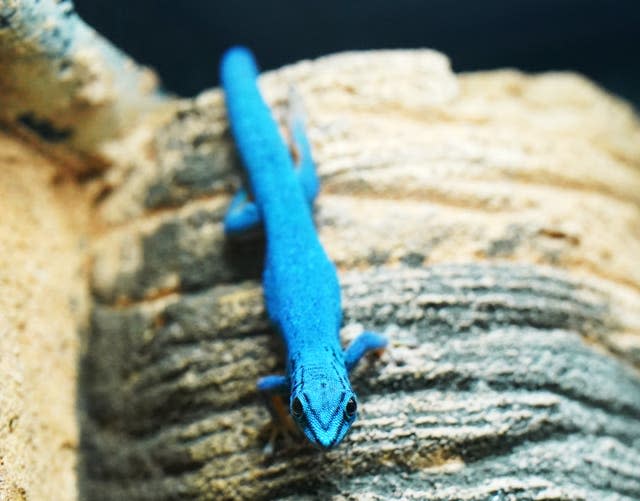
pixel 301 288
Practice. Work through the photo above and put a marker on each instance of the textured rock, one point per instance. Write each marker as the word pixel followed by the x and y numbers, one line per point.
pixel 42 299
pixel 489 224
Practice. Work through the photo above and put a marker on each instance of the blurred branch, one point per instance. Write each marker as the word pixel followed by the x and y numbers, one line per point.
pixel 64 85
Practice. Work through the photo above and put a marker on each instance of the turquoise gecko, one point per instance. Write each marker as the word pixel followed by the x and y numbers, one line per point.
pixel 301 288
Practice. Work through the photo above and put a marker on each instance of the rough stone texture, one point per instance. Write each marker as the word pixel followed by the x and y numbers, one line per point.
pixel 42 299
pixel 488 224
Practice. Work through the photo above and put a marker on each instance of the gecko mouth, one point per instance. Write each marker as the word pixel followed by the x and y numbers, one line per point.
pixel 326 441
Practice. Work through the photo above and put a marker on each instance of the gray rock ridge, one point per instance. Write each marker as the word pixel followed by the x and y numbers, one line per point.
pixel 485 364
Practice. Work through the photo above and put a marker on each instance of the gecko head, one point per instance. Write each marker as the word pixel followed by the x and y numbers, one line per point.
pixel 323 411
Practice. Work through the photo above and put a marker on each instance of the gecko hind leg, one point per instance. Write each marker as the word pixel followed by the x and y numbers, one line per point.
pixel 243 218
pixel 305 166
pixel 275 389
pixel 363 344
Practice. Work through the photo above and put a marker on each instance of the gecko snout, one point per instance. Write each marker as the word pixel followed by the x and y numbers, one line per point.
pixel 324 416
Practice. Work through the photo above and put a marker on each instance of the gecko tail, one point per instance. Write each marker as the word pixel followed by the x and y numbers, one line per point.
pixel 238 73
pixel 237 63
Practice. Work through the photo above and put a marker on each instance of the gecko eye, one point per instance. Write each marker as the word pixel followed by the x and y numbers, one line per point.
pixel 351 408
pixel 296 408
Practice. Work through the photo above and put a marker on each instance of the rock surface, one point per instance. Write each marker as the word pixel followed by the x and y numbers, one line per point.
pixel 42 299
pixel 488 224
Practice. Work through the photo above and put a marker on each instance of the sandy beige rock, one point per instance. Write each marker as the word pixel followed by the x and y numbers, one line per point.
pixel 41 301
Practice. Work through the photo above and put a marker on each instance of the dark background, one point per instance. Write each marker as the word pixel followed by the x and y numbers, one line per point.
pixel 183 40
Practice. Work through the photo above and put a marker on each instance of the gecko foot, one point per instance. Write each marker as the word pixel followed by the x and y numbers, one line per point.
pixel 242 218
pixel 275 390
pixel 282 427
pixel 367 342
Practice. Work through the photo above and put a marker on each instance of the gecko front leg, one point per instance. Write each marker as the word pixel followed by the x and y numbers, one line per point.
pixel 363 344
pixel 275 390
